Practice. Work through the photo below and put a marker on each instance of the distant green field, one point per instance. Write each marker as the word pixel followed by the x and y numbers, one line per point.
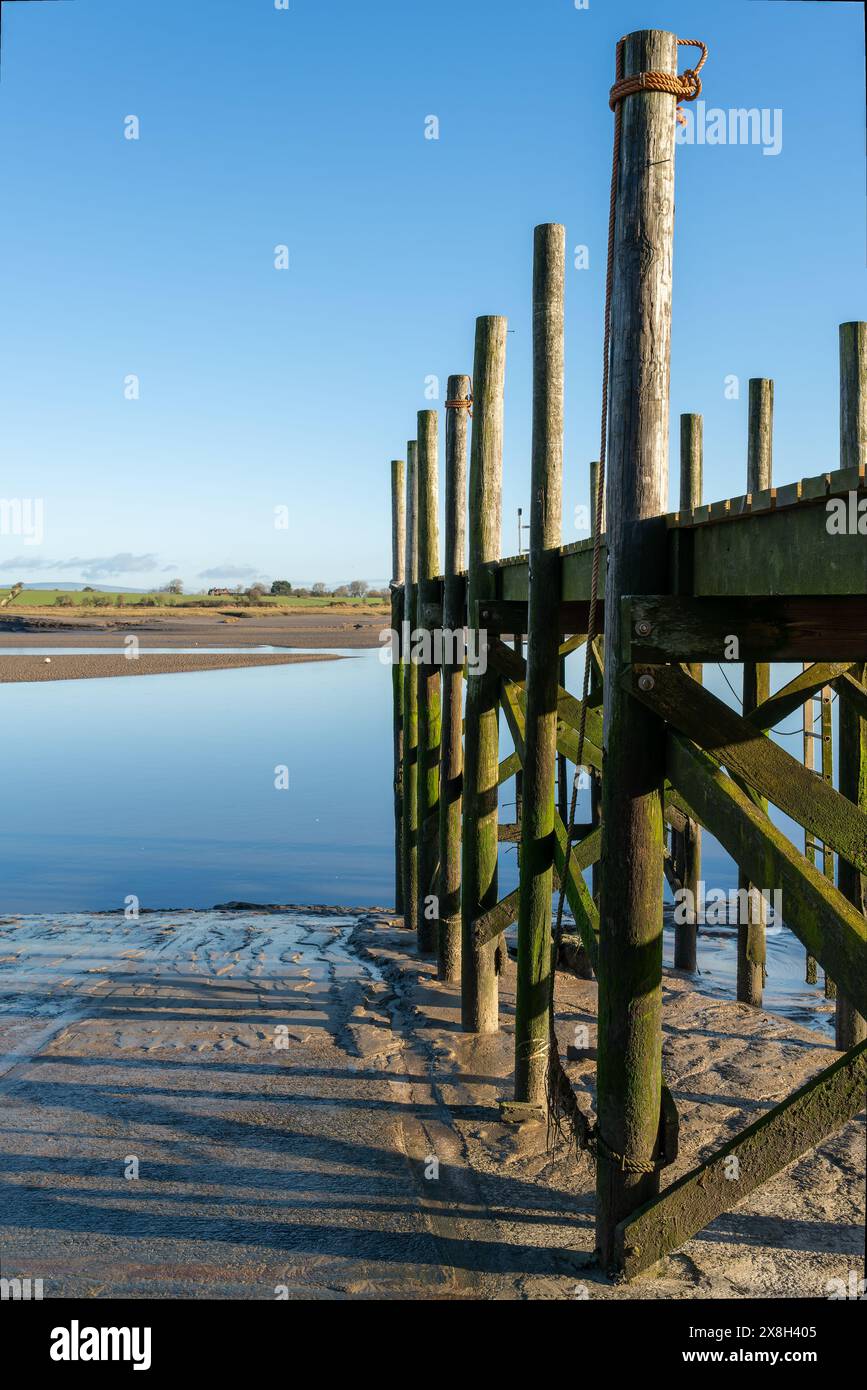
pixel 47 598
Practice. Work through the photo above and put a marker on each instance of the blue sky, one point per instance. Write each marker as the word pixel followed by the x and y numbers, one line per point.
pixel 262 388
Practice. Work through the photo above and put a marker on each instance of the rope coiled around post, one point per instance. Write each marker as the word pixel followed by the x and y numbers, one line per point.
pixel 466 404
pixel 686 86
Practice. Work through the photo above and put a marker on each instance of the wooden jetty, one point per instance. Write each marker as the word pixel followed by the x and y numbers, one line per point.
pixel 777 574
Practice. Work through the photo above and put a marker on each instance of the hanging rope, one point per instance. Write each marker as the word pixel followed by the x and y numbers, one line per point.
pixel 686 86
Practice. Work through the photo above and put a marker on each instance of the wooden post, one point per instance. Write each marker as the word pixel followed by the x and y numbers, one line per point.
pixel 398 562
pixel 850 1026
pixel 562 767
pixel 756 688
pixel 429 620
pixel 811 975
pixel 825 702
pixel 630 936
pixel 594 495
pixel 479 989
pixel 543 640
pixel 452 748
pixel 410 698
pixel 595 692
pixel 518 645
pixel 686 843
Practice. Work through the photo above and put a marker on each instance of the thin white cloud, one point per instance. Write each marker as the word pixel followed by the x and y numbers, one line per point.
pixel 230 572
pixel 89 567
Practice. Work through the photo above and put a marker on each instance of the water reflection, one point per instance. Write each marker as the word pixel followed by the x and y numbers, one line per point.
pixel 164 788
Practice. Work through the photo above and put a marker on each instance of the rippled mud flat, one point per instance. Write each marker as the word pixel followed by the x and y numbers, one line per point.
pixel 245 1064
pixel 265 1104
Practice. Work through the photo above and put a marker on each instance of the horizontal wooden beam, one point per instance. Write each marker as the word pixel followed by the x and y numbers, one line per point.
pixel 764 1148
pixel 830 928
pixel 511 616
pixel 666 627
pixel 750 755
pixel 779 550
pixel 770 543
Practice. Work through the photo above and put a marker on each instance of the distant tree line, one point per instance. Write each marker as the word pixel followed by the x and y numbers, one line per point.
pixel 245 594
pixel 357 588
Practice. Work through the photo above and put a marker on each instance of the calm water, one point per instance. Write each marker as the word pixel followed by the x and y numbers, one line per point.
pixel 163 787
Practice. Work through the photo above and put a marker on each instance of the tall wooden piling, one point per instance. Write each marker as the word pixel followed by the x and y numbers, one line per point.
pixel 827 746
pixel 595 684
pixel 562 765
pixel 543 640
pixel 479 990
pixel 811 971
pixel 686 843
pixel 630 937
pixel 410 698
pixel 850 1026
pixel 398 563
pixel 756 689
pixel 429 621
pixel 594 497
pixel 451 746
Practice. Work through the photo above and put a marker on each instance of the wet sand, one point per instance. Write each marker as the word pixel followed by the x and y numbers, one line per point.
pixel 80 667
pixel 285 1080
pixel 342 628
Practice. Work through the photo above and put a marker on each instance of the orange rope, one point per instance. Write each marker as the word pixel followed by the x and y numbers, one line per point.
pixel 462 405
pixel 687 86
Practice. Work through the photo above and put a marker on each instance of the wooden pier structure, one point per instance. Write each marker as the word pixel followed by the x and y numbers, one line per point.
pixel 776 574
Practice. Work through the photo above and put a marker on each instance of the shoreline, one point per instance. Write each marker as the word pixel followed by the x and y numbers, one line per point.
pixel 14 669
pixel 313 630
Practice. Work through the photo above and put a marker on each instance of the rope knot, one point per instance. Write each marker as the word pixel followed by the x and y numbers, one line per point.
pixel 693 80
pixel 686 86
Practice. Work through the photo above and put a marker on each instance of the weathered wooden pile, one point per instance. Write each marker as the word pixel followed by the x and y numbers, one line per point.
pixel 769 576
